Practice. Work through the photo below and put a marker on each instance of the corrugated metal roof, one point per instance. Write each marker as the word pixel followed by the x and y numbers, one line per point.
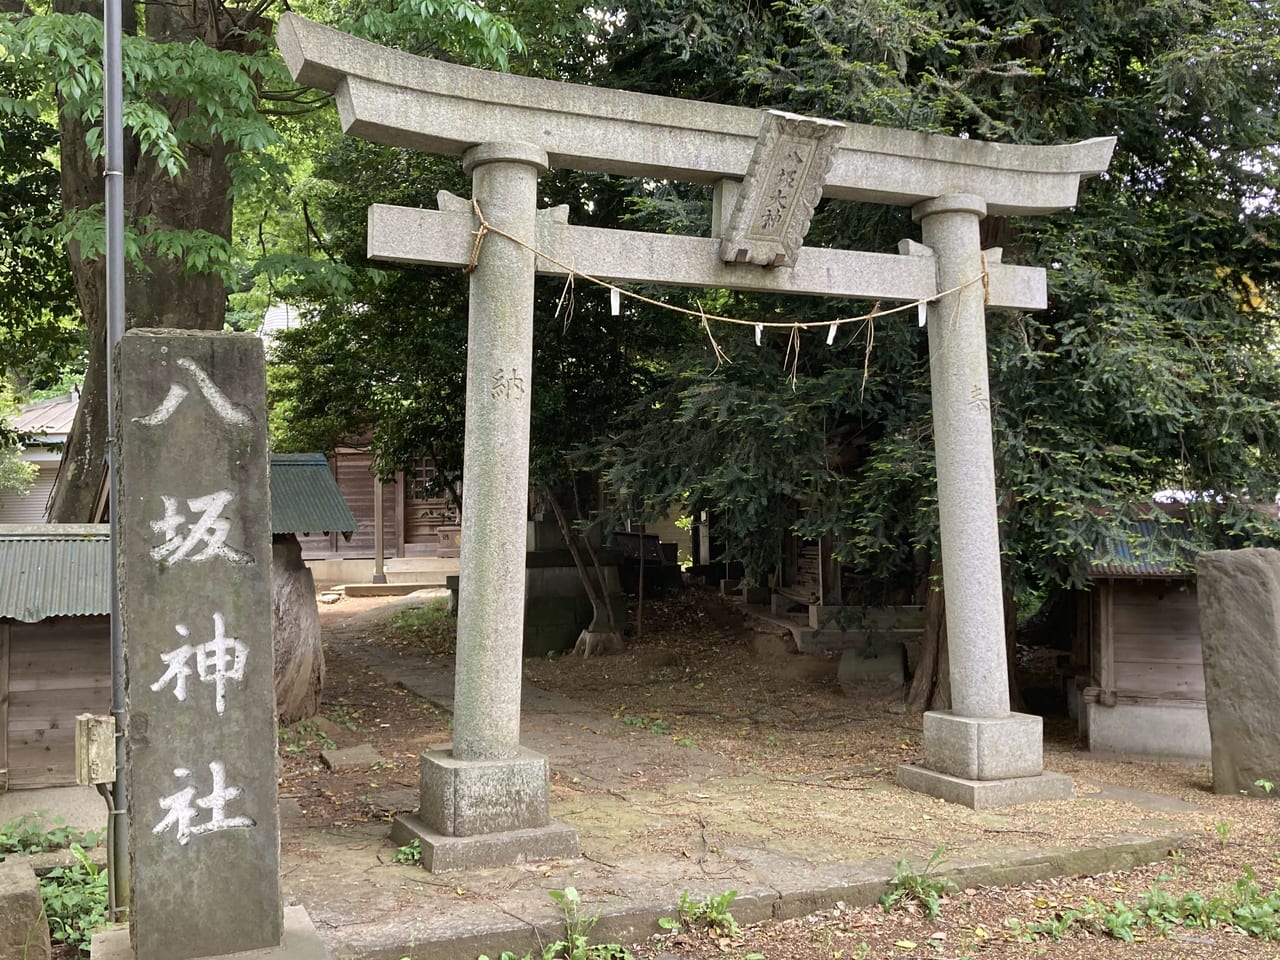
pixel 1145 548
pixel 51 418
pixel 305 497
pixel 64 569
pixel 53 570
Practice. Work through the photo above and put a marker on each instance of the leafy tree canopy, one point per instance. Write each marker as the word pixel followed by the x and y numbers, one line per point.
pixel 1153 366
pixel 41 334
pixel 15 474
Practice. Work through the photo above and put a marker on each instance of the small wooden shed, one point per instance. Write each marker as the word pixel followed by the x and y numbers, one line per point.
pixel 55 623
pixel 55 646
pixel 1139 685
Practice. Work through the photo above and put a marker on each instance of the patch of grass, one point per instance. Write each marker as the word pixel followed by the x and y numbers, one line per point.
pixel 652 724
pixel 345 717
pixel 431 626
pixel 923 887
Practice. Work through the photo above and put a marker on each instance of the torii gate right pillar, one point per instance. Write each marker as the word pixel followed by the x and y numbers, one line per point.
pixel 978 753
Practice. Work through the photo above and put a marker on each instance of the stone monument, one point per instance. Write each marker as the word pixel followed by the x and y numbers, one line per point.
pixel 195 606
pixel 1239 596
pixel 767 171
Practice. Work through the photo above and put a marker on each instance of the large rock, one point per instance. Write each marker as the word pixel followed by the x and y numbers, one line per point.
pixel 24 932
pixel 299 657
pixel 1239 593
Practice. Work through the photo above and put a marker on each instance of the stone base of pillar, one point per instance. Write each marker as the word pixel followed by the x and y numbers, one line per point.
pixel 484 813
pixel 300 942
pixel 441 854
pixel 984 762
pixel 986 794
pixel 986 748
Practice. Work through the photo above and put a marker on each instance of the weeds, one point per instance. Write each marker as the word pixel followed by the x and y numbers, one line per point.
pixel 652 724
pixel 923 887
pixel 303 736
pixel 410 852
pixel 576 944
pixel 29 834
pixel 431 626
pixel 1245 906
pixel 75 900
pixel 712 913
pixel 1223 829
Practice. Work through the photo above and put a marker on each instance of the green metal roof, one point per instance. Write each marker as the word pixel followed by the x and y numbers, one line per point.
pixel 64 569
pixel 1145 548
pixel 305 497
pixel 54 570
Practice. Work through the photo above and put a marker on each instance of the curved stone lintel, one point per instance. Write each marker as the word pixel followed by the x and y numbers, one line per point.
pixel 392 97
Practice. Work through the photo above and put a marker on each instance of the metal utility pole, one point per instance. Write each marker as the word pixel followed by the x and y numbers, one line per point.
pixel 113 137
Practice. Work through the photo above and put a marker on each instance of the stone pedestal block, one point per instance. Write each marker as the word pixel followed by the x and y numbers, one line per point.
pixel 24 931
pixel 1239 596
pixel 983 748
pixel 441 854
pixel 985 794
pixel 300 941
pixel 462 798
pixel 484 813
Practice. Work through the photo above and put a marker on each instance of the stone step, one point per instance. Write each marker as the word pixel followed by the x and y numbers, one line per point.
pixel 427 571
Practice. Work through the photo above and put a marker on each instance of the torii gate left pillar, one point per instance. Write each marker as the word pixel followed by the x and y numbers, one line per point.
pixel 485 799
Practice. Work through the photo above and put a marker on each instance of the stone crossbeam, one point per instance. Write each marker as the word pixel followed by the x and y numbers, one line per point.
pixel 391 97
pixel 446 238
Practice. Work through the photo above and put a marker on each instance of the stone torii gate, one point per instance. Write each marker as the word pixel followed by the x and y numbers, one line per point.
pixel 485 800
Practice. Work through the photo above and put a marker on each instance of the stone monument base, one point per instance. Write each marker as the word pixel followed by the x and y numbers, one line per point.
pixel 300 942
pixel 986 794
pixel 484 813
pixel 441 854
pixel 984 748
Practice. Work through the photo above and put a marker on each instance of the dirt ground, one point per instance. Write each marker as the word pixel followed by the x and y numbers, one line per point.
pixel 714 680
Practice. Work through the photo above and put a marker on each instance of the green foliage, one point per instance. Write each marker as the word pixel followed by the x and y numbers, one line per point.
pixel 711 913
pixel 31 834
pixel 302 737
pixel 75 901
pixel 431 626
pixel 1244 905
pixel 923 886
pixel 1153 366
pixel 40 335
pixel 652 724
pixel 15 473
pixel 410 852
pixel 576 943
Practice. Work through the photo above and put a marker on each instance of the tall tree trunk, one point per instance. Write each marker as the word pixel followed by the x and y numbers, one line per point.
pixel 159 292
pixel 295 638
pixel 602 634
pixel 931 684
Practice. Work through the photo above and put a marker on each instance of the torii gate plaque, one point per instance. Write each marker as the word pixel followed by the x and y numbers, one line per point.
pixel 485 801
